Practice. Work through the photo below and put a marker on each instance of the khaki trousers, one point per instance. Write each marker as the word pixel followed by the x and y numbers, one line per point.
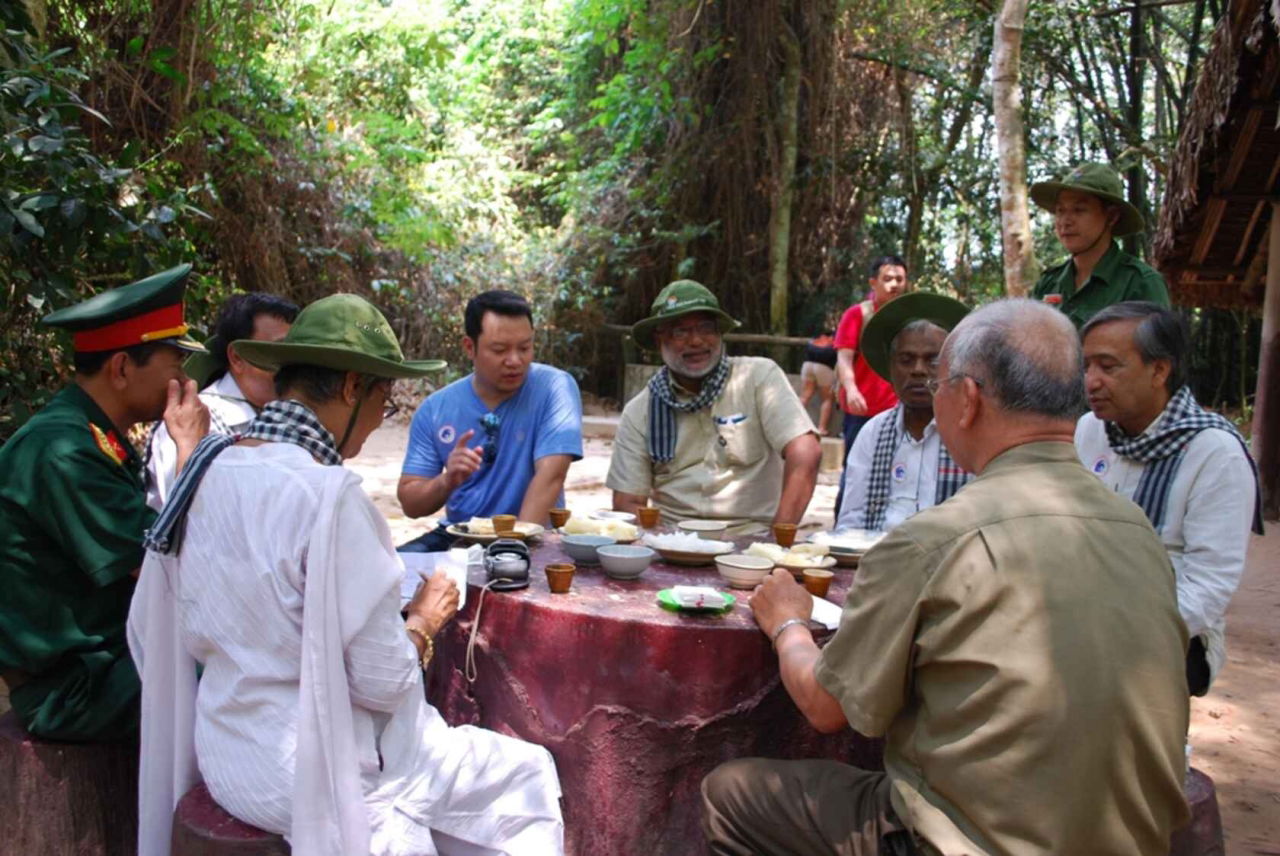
pixel 799 808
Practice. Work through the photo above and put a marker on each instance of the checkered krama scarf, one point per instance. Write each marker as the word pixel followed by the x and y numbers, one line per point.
pixel 951 477
pixel 663 405
pixel 279 422
pixel 1161 451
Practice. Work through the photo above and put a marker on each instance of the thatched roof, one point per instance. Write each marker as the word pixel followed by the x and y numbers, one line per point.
pixel 1211 242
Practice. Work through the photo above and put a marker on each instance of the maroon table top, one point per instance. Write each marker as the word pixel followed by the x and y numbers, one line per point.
pixel 595 594
pixel 636 703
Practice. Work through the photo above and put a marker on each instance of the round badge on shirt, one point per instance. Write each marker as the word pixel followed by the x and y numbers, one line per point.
pixel 446 434
pixel 899 472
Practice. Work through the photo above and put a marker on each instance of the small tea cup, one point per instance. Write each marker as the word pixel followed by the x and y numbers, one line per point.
pixel 560 577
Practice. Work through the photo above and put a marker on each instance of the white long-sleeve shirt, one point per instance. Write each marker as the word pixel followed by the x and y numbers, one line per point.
pixel 1206 521
pixel 913 477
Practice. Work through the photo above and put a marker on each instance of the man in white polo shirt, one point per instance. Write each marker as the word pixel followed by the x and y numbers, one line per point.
pixel 1148 439
pixel 898 465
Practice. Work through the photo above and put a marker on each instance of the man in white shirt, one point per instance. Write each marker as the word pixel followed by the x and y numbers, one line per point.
pixel 898 465
pixel 1148 439
pixel 232 389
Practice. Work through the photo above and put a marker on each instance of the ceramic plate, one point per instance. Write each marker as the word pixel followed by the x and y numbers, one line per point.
pixel 667 601
pixel 459 530
pixel 817 562
pixel 616 540
pixel 695 560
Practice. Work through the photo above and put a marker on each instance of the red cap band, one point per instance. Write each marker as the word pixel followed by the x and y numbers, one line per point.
pixel 130 331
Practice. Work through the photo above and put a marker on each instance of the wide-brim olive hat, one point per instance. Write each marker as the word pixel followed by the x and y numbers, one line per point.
pixel 1096 179
pixel 343 332
pixel 680 298
pixel 888 322
pixel 202 365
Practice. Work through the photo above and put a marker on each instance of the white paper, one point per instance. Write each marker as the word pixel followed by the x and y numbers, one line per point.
pixel 420 566
pixel 697 596
pixel 825 613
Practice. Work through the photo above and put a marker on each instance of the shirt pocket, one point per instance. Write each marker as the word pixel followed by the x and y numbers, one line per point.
pixel 739 442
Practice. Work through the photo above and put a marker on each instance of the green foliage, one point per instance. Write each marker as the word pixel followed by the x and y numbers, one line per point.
pixel 71 222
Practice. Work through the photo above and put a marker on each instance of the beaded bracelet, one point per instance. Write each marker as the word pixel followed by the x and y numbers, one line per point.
pixel 428 650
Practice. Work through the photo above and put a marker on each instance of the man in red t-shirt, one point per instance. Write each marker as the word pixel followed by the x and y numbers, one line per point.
pixel 862 392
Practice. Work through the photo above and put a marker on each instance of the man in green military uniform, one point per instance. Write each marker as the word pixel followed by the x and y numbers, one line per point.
pixel 1089 213
pixel 73 510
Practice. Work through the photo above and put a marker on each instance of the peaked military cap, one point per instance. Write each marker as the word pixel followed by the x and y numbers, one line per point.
pixel 149 310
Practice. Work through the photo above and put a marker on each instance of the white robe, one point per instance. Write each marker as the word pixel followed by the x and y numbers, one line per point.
pixel 287 592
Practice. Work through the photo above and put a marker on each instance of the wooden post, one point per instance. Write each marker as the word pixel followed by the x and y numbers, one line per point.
pixel 1266 401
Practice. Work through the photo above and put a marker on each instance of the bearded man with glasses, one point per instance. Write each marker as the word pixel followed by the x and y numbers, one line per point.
pixel 711 436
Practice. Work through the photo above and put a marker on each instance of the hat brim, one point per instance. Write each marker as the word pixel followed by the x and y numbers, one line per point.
pixel 878 335
pixel 272 356
pixel 642 331
pixel 201 367
pixel 183 343
pixel 1045 195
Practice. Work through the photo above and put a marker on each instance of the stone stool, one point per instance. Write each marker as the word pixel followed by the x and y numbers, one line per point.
pixel 1202 836
pixel 62 798
pixel 201 827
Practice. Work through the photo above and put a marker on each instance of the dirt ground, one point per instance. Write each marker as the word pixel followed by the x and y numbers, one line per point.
pixel 1235 730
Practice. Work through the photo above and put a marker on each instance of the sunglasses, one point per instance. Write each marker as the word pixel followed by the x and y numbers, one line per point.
pixel 490 423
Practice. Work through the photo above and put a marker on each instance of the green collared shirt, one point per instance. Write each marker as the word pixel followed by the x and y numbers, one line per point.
pixel 1118 277
pixel 72 515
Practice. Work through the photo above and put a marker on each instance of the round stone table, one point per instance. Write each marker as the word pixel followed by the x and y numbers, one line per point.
pixel 637 704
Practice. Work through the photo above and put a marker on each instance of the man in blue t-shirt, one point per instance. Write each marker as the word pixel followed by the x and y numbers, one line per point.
pixel 498 441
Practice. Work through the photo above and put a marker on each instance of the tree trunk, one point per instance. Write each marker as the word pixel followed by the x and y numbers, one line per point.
pixel 784 192
pixel 1015 223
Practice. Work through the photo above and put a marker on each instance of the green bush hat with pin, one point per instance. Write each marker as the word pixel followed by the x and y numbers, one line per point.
pixel 1096 179
pixel 147 311
pixel 877 336
pixel 343 332
pixel 680 298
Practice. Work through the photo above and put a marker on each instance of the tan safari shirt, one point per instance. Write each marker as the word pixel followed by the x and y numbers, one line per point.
pixel 1021 648
pixel 728 462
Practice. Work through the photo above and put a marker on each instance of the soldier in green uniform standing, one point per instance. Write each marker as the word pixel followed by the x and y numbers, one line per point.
pixel 73 510
pixel 1089 213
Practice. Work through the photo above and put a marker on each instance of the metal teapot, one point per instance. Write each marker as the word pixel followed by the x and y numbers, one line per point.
pixel 506 564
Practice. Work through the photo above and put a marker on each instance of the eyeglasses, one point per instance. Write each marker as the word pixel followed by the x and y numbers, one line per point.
pixel 389 407
pixel 490 423
pixel 933 384
pixel 702 329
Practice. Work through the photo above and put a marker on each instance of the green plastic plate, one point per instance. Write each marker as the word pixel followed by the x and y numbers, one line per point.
pixel 668 601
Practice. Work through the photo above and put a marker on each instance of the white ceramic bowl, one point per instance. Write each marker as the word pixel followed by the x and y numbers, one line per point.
pixel 710 529
pixel 623 561
pixel 743 571
pixel 582 548
pixel 624 516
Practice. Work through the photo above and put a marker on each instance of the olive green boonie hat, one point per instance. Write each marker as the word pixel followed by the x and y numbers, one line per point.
pixel 878 335
pixel 680 298
pixel 1096 179
pixel 343 332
